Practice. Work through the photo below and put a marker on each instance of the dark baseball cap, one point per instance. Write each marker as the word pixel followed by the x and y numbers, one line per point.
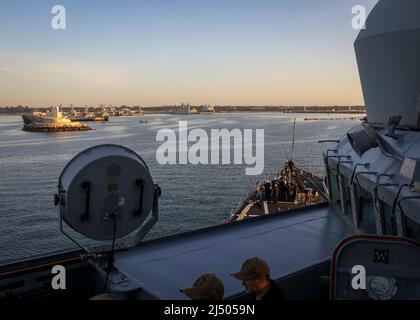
pixel 206 287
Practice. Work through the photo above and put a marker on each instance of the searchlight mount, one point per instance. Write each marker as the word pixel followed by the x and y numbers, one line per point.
pixel 106 193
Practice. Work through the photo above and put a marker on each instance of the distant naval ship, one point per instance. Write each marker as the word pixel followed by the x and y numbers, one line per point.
pixel 87 116
pixel 371 223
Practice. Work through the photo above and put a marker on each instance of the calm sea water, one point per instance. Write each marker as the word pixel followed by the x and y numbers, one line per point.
pixel 193 196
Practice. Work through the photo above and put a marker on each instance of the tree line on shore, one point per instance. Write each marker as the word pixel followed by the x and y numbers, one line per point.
pixel 219 109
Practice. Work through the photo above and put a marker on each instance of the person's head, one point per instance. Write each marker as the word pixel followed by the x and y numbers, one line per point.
pixel 255 275
pixel 206 287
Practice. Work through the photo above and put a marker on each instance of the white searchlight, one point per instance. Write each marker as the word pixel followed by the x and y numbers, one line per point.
pixel 106 193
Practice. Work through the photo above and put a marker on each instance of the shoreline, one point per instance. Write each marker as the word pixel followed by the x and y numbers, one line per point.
pixel 231 112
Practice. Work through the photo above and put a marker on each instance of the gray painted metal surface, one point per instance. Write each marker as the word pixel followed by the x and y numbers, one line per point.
pixel 390 16
pixel 391 266
pixel 407 145
pixel 288 243
pixel 387 54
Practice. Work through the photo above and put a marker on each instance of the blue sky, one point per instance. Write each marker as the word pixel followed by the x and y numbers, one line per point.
pixel 264 52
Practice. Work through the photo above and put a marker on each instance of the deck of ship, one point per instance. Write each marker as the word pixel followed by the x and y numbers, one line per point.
pixel 261 209
pixel 289 243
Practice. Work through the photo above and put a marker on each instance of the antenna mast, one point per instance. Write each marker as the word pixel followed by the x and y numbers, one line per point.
pixel 293 141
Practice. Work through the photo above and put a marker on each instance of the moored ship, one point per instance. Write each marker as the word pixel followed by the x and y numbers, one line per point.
pixel 86 116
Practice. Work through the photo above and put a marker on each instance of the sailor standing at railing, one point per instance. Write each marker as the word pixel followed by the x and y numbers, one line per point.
pixel 281 189
pixel 267 188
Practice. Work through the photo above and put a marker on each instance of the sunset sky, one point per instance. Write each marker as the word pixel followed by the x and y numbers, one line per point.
pixel 163 52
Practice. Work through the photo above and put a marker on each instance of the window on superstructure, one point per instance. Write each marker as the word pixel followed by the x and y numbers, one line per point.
pixel 389 226
pixel 334 189
pixel 346 198
pixel 412 229
pixel 365 211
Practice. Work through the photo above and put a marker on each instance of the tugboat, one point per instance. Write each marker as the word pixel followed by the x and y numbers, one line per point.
pixel 370 227
pixel 52 121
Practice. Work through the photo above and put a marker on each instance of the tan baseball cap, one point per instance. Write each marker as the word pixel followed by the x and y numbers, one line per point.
pixel 206 287
pixel 251 269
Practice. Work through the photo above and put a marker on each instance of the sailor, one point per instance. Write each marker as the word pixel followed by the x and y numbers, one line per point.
pixel 255 277
pixel 258 193
pixel 206 287
pixel 292 192
pixel 255 196
pixel 317 197
pixel 267 187
pixel 281 189
pixel 263 193
pixel 274 190
pixel 286 192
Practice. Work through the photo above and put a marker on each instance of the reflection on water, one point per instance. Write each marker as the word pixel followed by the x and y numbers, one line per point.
pixel 193 196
